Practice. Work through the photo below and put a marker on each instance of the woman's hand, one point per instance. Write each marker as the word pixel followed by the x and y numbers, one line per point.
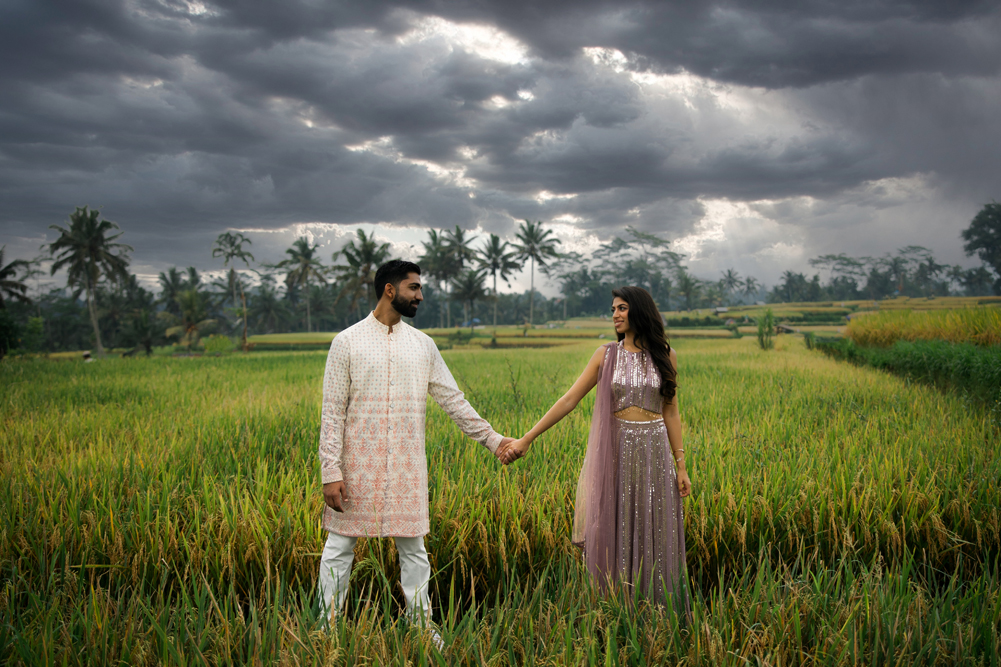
pixel 513 451
pixel 684 484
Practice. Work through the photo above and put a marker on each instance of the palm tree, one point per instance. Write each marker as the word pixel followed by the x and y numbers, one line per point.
pixel 688 287
pixel 458 253
pixel 469 288
pixel 898 266
pixel 87 253
pixel 731 281
pixel 194 280
pixel 496 259
pixel 229 246
pixel 194 317
pixel 571 270
pixel 751 286
pixel 267 310
pixel 363 259
pixel 9 283
pixel 303 267
pixel 715 293
pixel 537 245
pixel 172 284
pixel 434 263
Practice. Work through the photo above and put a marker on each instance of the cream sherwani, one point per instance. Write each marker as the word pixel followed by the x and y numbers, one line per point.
pixel 372 426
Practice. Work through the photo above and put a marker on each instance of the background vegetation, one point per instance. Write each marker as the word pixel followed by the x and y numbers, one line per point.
pixel 103 305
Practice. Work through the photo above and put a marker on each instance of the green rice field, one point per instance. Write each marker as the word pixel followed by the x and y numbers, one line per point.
pixel 167 511
pixel 976 326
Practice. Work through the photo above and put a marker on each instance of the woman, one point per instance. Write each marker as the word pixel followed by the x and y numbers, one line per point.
pixel 628 517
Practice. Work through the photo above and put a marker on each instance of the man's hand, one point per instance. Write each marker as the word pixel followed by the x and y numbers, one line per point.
pixel 335 495
pixel 512 451
pixel 501 447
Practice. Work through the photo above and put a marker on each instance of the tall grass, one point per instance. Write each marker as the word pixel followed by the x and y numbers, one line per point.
pixel 970 369
pixel 978 326
pixel 167 511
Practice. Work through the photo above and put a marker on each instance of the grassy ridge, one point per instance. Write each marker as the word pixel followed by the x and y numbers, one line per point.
pixel 167 510
pixel 979 326
pixel 972 369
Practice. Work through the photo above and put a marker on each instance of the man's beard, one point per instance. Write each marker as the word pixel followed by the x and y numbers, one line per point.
pixel 403 306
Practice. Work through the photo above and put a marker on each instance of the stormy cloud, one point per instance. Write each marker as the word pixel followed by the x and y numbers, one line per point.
pixel 753 134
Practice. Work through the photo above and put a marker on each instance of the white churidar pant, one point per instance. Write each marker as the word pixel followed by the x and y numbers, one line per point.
pixel 335 571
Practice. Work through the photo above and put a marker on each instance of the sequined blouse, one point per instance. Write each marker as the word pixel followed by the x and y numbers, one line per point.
pixel 636 381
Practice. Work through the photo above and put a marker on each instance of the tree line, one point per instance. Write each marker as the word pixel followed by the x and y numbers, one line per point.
pixel 104 305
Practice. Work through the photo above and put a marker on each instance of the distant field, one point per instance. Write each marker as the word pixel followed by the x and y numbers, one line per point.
pixel 837 309
pixel 302 337
pixel 507 337
pixel 800 316
pixel 978 326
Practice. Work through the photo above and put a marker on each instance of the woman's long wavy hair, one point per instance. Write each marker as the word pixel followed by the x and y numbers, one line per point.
pixel 648 334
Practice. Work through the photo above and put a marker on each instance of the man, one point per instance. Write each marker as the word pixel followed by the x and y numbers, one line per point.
pixel 379 373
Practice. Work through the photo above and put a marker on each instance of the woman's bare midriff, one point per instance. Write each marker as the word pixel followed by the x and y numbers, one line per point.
pixel 636 414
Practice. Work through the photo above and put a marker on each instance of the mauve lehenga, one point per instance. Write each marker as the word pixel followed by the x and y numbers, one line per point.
pixel 629 516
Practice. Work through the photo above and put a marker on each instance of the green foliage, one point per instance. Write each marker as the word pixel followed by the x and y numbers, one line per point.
pixel 357 275
pixel 88 254
pixel 468 287
pixel 218 344
pixel 983 238
pixel 194 319
pixel 536 246
pixel 766 330
pixel 810 339
pixel 460 337
pixel 10 333
pixel 10 285
pixel 34 334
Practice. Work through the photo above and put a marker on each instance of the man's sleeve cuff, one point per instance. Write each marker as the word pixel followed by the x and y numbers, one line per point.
pixel 332 475
pixel 493 441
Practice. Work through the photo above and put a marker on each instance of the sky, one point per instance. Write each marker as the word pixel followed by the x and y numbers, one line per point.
pixel 753 134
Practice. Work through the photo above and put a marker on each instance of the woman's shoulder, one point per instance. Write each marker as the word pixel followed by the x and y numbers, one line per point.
pixel 601 353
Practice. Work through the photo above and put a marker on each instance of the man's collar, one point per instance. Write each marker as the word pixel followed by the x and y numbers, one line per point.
pixel 384 328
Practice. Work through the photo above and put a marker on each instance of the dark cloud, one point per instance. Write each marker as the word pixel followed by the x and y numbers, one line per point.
pixel 181 119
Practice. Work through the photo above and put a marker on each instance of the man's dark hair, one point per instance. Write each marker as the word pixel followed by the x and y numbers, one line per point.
pixel 393 273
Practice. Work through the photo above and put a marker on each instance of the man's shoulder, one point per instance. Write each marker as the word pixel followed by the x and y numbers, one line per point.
pixel 420 335
pixel 345 336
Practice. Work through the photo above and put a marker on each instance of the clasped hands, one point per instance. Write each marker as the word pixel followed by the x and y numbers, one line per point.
pixel 335 494
pixel 510 449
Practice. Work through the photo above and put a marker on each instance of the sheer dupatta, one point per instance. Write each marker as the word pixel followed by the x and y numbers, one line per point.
pixel 594 526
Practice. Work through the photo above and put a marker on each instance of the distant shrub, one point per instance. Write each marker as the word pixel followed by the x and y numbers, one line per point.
pixel 217 344
pixel 766 330
pixel 459 338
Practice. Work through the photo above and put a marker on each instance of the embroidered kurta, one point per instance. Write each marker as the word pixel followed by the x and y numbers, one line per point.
pixel 375 392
